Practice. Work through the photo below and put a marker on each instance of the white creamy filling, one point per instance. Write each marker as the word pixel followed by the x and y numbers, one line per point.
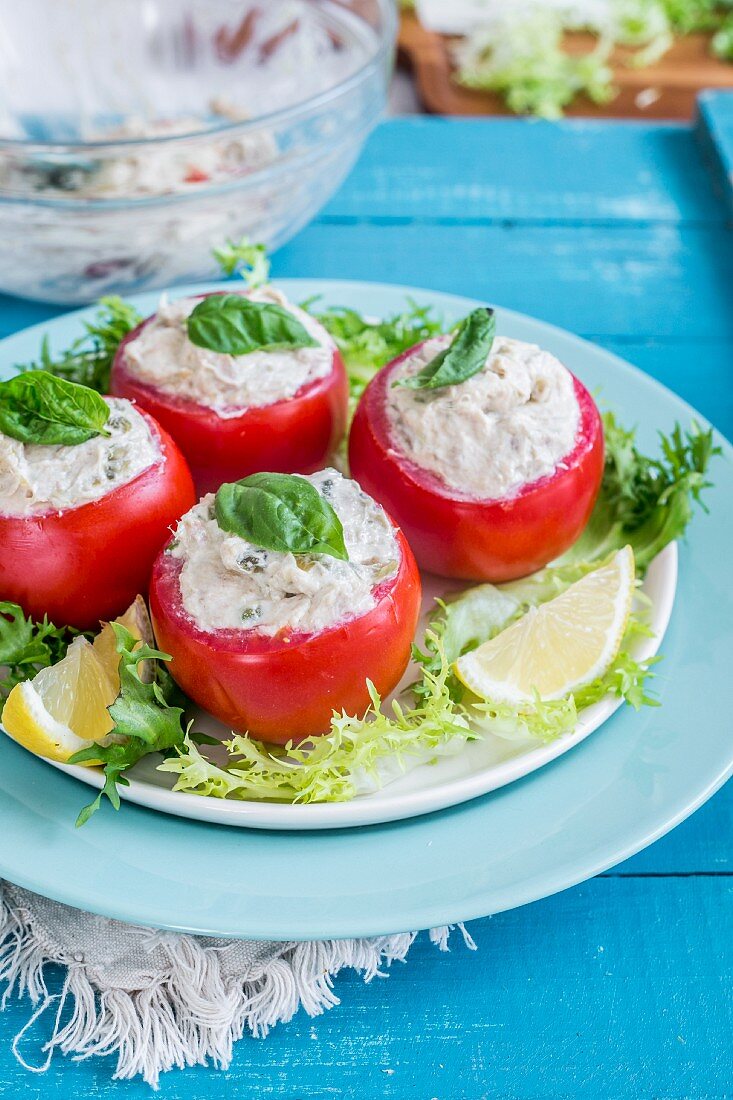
pixel 163 356
pixel 508 425
pixel 270 56
pixel 36 478
pixel 155 171
pixel 227 583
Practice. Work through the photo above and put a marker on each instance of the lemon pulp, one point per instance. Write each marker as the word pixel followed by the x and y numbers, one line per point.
pixel 559 646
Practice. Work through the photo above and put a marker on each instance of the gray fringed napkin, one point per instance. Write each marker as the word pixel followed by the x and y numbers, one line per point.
pixel 155 1000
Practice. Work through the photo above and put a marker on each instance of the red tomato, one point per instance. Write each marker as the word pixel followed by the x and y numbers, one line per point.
pixel 287 686
pixel 294 435
pixel 87 564
pixel 460 536
pixel 195 175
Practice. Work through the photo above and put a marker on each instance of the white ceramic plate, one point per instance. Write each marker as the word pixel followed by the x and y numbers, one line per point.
pixel 478 768
pixel 638 777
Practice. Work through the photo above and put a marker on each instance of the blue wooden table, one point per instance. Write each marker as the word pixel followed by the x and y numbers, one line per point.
pixel 620 988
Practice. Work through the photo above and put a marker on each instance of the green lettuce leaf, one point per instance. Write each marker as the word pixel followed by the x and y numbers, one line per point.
pixel 522 58
pixel 145 719
pixel 356 756
pixel 367 345
pixel 27 646
pixel 244 258
pixel 88 360
pixel 521 52
pixel 645 502
pixel 360 754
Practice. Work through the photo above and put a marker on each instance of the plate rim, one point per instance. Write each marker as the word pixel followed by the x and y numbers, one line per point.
pixel 563 873
pixel 284 817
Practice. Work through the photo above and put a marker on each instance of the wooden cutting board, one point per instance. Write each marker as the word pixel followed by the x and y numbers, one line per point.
pixel 665 90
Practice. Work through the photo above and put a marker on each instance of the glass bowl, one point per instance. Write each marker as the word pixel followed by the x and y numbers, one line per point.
pixel 164 127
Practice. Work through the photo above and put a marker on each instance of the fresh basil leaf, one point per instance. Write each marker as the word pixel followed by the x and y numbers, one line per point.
pixel 235 325
pixel 38 407
pixel 280 512
pixel 366 345
pixel 465 356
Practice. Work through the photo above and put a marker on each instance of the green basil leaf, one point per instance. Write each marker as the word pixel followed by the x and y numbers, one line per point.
pixel 465 356
pixel 38 407
pixel 235 325
pixel 280 512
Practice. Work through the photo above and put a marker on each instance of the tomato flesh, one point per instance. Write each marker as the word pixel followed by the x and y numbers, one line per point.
pixel 294 435
pixel 87 564
pixel 467 538
pixel 286 687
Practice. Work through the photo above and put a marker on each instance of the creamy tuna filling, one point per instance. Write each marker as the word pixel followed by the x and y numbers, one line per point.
pixel 508 425
pixel 163 356
pixel 227 583
pixel 35 479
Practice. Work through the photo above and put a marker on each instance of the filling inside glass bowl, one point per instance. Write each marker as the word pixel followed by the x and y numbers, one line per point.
pixel 116 76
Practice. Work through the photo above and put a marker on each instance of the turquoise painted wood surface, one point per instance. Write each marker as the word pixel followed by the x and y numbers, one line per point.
pixel 620 988
pixel 715 131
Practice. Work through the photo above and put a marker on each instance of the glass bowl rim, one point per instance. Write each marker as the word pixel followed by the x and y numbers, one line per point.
pixel 70 206
pixel 385 44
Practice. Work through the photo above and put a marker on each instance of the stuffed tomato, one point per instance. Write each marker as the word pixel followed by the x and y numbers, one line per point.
pixel 243 382
pixel 81 523
pixel 486 450
pixel 274 640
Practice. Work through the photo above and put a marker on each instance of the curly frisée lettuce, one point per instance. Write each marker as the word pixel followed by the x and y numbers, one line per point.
pixel 359 755
pixel 145 718
pixel 88 359
pixel 244 258
pixel 520 51
pixel 366 344
pixel 644 501
pixel 27 646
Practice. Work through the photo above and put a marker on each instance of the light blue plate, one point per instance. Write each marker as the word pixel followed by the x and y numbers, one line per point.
pixel 634 779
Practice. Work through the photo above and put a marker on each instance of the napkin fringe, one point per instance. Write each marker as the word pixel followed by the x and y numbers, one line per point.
pixel 190 1015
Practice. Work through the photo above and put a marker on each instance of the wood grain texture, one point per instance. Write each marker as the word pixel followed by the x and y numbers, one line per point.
pixel 618 989
pixel 665 90
pixel 521 171
pixel 714 129
pixel 661 281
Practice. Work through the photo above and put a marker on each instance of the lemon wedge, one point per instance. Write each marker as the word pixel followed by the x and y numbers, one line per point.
pixel 137 620
pixel 559 646
pixel 64 708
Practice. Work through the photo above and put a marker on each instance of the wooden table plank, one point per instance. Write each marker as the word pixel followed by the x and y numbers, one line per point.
pixel 701 375
pixel 674 79
pixel 715 136
pixel 620 988
pixel 660 281
pixel 645 282
pixel 617 990
pixel 526 170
